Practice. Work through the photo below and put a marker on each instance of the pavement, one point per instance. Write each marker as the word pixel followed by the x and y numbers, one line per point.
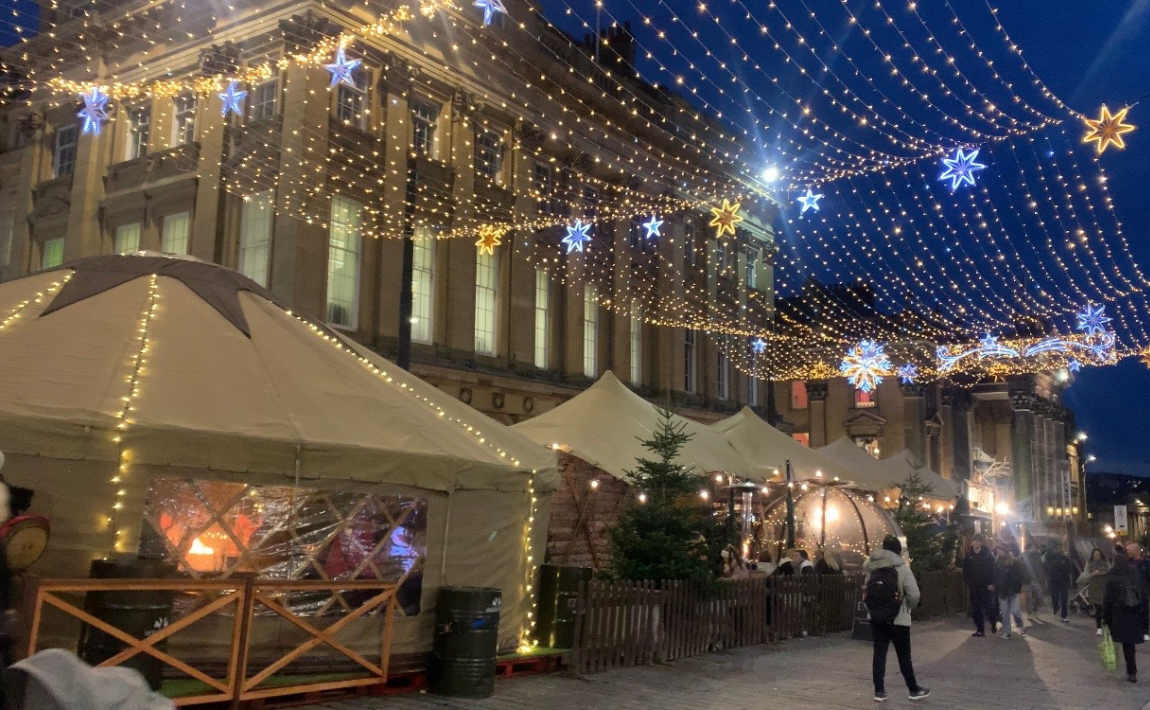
pixel 1055 666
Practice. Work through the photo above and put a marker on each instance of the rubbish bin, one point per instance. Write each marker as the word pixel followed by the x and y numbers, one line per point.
pixel 462 664
pixel 136 613
pixel 558 587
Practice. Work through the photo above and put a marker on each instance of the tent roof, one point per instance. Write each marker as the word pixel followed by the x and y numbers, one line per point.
pixel 229 380
pixel 866 471
pixel 904 463
pixel 604 424
pixel 768 449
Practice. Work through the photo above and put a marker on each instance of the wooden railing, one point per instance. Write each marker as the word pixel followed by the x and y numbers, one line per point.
pixel 242 677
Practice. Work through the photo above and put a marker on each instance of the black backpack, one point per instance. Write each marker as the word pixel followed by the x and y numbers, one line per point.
pixel 1132 594
pixel 883 598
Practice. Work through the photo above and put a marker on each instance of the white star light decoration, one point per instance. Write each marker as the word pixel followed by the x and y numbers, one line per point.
pixel 865 365
pixel 809 201
pixel 95 110
pixel 759 346
pixel 1074 365
pixel 490 9
pixel 654 227
pixel 577 236
pixel 342 68
pixel 1092 320
pixel 233 99
pixel 961 168
pixel 908 373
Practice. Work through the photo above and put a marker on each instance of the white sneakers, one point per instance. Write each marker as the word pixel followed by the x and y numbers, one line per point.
pixel 1098 632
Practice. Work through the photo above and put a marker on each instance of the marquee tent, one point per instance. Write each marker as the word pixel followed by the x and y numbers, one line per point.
pixel 903 464
pixel 768 449
pixel 866 471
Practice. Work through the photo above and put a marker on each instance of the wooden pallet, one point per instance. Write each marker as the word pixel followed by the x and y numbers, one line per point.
pixel 517 666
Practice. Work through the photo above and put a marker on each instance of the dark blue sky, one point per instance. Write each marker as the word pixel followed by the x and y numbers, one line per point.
pixel 1087 53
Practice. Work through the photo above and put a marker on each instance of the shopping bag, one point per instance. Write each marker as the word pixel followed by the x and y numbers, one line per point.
pixel 1109 658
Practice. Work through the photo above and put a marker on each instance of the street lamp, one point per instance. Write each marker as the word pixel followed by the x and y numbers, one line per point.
pixel 771 174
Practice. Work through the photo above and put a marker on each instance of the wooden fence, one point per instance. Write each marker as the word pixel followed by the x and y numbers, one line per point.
pixel 943 593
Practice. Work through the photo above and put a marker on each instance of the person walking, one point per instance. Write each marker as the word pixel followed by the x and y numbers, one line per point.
pixel 1060 574
pixel 890 591
pixel 1094 579
pixel 1009 579
pixel 978 572
pixel 1142 567
pixel 1032 561
pixel 1124 610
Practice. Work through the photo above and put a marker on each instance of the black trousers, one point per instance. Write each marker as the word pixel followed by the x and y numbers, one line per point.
pixel 884 636
pixel 1098 615
pixel 1060 597
pixel 984 608
pixel 1128 651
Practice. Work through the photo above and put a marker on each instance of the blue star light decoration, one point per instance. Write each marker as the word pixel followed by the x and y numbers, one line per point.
pixel 341 69
pixel 233 99
pixel 908 373
pixel 577 236
pixel 809 201
pixel 1092 320
pixel 759 346
pixel 961 168
pixel 490 9
pixel 654 227
pixel 865 365
pixel 95 110
pixel 1074 365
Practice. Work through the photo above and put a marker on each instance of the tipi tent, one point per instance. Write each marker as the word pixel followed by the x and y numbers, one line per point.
pixel 768 449
pixel 142 395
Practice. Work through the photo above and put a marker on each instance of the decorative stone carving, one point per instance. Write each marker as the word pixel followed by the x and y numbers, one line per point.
pixel 817 390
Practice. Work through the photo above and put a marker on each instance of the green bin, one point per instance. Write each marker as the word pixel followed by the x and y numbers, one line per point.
pixel 558 588
pixel 462 664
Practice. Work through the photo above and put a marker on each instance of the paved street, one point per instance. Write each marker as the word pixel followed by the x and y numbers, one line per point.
pixel 1055 667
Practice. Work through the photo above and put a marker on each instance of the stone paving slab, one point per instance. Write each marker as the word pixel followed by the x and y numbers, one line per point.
pixel 1055 667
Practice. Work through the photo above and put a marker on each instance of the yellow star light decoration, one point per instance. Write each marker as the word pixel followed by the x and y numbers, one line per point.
pixel 1108 129
pixel 490 236
pixel 725 218
pixel 1146 358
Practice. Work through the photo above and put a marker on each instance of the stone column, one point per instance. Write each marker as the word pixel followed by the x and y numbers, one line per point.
pixel 914 419
pixel 1021 446
pixel 946 433
pixel 817 404
pixel 960 426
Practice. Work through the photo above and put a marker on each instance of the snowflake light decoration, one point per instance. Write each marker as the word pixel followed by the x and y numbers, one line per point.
pixel 961 168
pixel 341 69
pixel 908 373
pixel 577 236
pixel 654 227
pixel 95 110
pixel 809 201
pixel 490 9
pixel 232 99
pixel 1092 320
pixel 865 365
pixel 759 346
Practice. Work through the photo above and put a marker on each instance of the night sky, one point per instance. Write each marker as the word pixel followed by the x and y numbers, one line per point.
pixel 1087 53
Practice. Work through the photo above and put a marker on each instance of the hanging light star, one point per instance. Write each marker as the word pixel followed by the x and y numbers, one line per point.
pixel 1092 320
pixel 577 236
pixel 342 68
pixel 865 365
pixel 1146 358
pixel 809 201
pixel 908 373
pixel 490 9
pixel 961 168
pixel 759 346
pixel 1107 130
pixel 726 218
pixel 1074 365
pixel 490 236
pixel 654 227
pixel 95 110
pixel 232 99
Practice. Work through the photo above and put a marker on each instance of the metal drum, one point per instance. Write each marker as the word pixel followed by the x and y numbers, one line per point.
pixel 558 587
pixel 462 663
pixel 138 614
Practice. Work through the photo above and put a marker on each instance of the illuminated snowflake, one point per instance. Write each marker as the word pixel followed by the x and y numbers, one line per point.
pixel 865 365
pixel 961 168
pixel 1092 320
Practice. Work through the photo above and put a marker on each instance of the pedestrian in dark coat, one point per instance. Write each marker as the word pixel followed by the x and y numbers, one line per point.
pixel 1124 610
pixel 1060 574
pixel 978 571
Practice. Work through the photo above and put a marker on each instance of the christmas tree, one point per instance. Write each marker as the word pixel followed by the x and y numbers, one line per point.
pixel 671 535
pixel 929 543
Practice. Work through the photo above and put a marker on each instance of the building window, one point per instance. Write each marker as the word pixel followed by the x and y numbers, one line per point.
pixel 720 255
pixel 799 394
pixel 64 154
pixel 486 280
pixel 869 444
pixel 590 201
pixel 864 400
pixel 689 343
pixel 542 319
pixel 52 253
pixel 752 269
pixel 184 120
pixel 127 239
pixel 489 155
pixel 723 376
pixel 543 182
pixel 690 255
pixel 343 262
pixel 351 99
pixel 422 295
pixel 256 218
pixel 139 128
pixel 752 390
pixel 424 121
pixel 174 235
pixel 591 330
pixel 262 102
pixel 636 343
pixel 802 437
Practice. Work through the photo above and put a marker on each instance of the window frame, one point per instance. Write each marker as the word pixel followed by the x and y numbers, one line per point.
pixel 423 286
pixel 139 132
pixel 722 372
pixel 355 229
pixel 591 331
pixel 800 400
pixel 486 302
pixel 489 155
pixel 360 91
pixel 187 237
pixel 258 104
pixel 428 124
pixel 542 319
pixel 59 148
pixel 690 360
pixel 122 232
pixel 48 246
pixel 690 241
pixel 253 217
pixel 543 182
pixel 184 119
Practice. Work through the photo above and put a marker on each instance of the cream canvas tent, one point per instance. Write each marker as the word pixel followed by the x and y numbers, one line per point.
pixel 134 382
pixel 768 449
pixel 866 471
pixel 903 464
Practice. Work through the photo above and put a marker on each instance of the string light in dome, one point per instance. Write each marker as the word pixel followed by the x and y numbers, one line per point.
pixel 1107 130
pixel 961 168
pixel 232 99
pixel 95 110
pixel 577 236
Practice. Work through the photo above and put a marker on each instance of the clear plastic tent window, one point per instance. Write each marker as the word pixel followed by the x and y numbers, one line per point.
pixel 214 529
pixel 832 518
